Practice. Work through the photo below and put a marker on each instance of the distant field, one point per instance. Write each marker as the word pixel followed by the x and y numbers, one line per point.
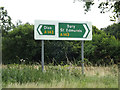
pixel 31 76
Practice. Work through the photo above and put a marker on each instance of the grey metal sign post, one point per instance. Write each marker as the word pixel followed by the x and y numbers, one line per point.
pixel 42 55
pixel 82 56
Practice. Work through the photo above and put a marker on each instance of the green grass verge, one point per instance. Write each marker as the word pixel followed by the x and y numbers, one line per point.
pixel 24 76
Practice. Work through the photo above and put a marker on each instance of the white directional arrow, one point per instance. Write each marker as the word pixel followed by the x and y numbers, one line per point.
pixel 86 30
pixel 39 29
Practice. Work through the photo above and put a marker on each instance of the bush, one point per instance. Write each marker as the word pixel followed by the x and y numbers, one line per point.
pixel 19 44
pixel 103 49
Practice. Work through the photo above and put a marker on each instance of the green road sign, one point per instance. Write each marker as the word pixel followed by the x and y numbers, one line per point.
pixel 73 30
pixel 43 29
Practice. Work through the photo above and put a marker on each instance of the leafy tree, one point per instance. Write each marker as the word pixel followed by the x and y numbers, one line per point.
pixel 5 21
pixel 106 6
pixel 20 44
pixel 102 49
pixel 113 30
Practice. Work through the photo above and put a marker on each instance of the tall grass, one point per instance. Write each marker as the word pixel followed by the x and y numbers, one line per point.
pixel 59 76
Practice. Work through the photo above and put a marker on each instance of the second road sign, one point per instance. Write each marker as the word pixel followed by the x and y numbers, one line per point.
pixel 73 30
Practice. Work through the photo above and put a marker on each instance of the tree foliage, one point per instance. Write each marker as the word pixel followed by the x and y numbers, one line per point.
pixel 103 49
pixel 5 21
pixel 19 45
pixel 106 6
pixel 113 30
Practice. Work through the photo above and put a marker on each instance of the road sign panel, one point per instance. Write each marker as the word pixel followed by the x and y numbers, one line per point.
pixel 73 30
pixel 62 30
pixel 46 29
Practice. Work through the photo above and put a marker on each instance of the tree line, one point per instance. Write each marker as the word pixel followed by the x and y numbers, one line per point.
pixel 19 45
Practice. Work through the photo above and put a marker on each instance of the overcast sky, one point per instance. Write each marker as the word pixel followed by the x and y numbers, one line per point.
pixel 65 10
